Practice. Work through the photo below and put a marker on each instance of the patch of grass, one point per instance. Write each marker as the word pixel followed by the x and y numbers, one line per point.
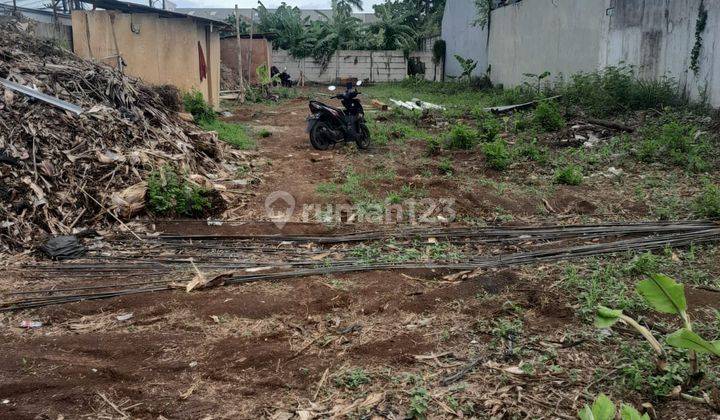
pixel 616 90
pixel 446 166
pixel 171 194
pixel 601 285
pixel 326 188
pixel 233 134
pixel 497 154
pixel 462 137
pixel 530 150
pixel 676 143
pixel 707 203
pixel 264 133
pixel 569 175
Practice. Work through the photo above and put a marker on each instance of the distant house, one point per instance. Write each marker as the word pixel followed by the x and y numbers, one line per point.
pixel 155 45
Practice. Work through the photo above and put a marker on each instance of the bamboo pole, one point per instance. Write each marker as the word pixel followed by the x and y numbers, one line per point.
pixel 241 94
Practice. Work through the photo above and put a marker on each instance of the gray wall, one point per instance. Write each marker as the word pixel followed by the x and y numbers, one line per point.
pixel 534 36
pixel 462 38
pixel 570 36
pixel 657 37
pixel 377 66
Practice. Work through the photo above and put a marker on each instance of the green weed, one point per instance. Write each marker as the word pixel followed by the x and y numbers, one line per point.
pixel 569 175
pixel 462 137
pixel 676 143
pixel 419 403
pixel 707 203
pixel 170 194
pixel 548 117
pixel 195 104
pixel 446 166
pixel 353 379
pixel 497 154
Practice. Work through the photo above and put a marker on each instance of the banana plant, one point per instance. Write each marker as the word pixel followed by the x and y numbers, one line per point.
pixel 665 295
pixel 604 409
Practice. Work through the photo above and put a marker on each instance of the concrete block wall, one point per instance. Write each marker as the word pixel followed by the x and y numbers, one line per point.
pixel 375 66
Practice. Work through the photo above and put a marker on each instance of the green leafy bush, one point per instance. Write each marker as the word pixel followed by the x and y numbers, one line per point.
pixel 462 137
pixel 616 90
pixel 195 104
pixel 707 204
pixel 569 175
pixel 497 154
pixel 489 128
pixel 264 133
pixel 433 146
pixel 548 117
pixel 677 143
pixel 170 194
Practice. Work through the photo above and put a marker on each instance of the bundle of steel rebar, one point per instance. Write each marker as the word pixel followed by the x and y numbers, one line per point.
pixel 585 241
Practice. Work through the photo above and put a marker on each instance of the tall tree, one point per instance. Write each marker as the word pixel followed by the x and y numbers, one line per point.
pixel 394 28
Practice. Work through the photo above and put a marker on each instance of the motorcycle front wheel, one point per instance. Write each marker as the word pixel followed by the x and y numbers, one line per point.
pixel 320 137
pixel 363 139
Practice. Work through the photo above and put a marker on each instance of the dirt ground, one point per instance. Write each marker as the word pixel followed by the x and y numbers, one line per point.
pixel 367 345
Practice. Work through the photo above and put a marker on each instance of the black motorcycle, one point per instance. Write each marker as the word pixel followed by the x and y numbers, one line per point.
pixel 328 125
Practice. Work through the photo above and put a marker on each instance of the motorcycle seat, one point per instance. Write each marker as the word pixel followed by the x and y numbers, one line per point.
pixel 324 105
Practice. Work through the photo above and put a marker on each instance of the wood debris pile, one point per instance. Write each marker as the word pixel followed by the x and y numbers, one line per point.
pixel 60 172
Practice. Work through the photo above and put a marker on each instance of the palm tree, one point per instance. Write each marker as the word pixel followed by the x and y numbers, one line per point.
pixel 395 32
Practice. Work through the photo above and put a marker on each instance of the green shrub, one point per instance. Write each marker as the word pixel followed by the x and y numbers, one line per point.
pixel 497 154
pixel 462 137
pixel 707 204
pixel 196 105
pixel 170 194
pixel 616 90
pixel 489 128
pixel 230 133
pixel 548 117
pixel 264 133
pixel 434 145
pixel 569 175
pixel 678 144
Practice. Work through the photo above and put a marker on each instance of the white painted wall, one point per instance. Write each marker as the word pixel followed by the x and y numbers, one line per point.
pixel 534 36
pixel 463 38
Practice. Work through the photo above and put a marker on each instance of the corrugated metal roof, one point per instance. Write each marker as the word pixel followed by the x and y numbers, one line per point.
pixel 128 7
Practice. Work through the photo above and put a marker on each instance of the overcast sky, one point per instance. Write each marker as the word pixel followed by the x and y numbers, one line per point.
pixel 303 4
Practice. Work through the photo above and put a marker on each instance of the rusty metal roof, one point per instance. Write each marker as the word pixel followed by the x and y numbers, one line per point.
pixel 128 7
